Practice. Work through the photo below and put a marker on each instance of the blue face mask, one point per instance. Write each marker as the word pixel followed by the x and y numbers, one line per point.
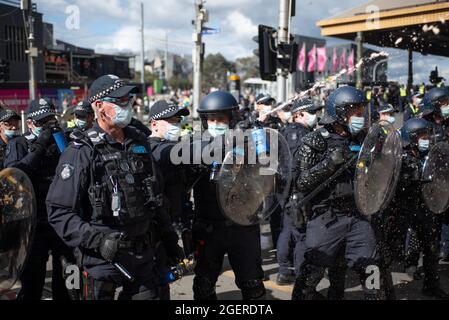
pixel 81 124
pixel 37 131
pixel 423 145
pixel 173 132
pixel 10 133
pixel 217 129
pixel 391 119
pixel 445 111
pixel 356 124
pixel 122 116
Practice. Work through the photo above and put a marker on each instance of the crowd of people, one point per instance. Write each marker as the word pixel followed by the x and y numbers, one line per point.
pixel 113 202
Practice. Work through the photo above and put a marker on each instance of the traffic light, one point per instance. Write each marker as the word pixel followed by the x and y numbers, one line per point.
pixel 289 52
pixel 4 70
pixel 267 53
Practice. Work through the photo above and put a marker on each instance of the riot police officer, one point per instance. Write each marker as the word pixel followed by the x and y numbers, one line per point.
pixel 105 200
pixel 84 116
pixel 37 154
pixel 216 235
pixel 416 134
pixel 335 225
pixel 304 117
pixel 9 124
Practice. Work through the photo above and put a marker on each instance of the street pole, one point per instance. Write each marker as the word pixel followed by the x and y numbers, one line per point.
pixel 142 71
pixel 201 18
pixel 283 37
pixel 166 58
pixel 359 74
pixel 27 7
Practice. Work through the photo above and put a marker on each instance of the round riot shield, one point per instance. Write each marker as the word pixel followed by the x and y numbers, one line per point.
pixel 435 178
pixel 17 221
pixel 378 168
pixel 255 176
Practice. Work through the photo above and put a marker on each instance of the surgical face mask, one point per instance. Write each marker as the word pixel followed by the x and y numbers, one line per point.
pixel 356 124
pixel 423 145
pixel 10 133
pixel 217 129
pixel 37 131
pixel 287 116
pixel 445 111
pixel 311 120
pixel 122 116
pixel 391 119
pixel 81 124
pixel 265 109
pixel 173 131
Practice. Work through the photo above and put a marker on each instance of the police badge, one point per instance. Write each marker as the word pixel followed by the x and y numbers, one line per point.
pixel 67 172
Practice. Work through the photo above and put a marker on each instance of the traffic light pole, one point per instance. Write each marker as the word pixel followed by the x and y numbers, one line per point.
pixel 283 37
pixel 32 51
pixel 200 19
pixel 142 69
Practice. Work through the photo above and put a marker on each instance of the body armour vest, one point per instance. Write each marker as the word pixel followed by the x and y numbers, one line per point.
pixel 123 189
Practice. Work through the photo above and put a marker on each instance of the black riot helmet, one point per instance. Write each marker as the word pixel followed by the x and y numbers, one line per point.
pixel 220 102
pixel 434 99
pixel 412 128
pixel 339 102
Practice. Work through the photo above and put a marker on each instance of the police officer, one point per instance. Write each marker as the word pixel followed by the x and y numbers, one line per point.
pixel 264 104
pixel 416 134
pixel 84 116
pixel 412 108
pixel 335 225
pixel 304 117
pixel 386 113
pixel 105 200
pixel 9 125
pixel 216 235
pixel 37 155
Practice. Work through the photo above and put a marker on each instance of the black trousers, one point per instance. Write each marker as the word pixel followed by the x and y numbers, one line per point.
pixel 33 277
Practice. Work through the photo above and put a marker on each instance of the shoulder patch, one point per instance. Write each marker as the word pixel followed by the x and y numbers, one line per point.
pixel 67 171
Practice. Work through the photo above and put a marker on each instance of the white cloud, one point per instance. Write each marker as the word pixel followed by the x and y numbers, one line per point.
pixel 241 25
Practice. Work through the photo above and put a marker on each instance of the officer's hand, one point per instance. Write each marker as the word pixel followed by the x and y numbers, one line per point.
pixel 174 252
pixel 338 155
pixel 110 246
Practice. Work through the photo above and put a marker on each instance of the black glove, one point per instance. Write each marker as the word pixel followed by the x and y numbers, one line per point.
pixel 111 246
pixel 338 155
pixel 175 253
pixel 42 141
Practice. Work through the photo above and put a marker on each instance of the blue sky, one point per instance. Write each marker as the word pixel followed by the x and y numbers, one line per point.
pixel 113 25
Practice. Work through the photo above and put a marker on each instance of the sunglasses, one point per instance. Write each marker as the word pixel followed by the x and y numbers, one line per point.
pixel 123 102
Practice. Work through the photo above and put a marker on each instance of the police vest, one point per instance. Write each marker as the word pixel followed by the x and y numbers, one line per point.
pixel 403 92
pixel 422 90
pixel 123 188
pixel 414 110
pixel 368 95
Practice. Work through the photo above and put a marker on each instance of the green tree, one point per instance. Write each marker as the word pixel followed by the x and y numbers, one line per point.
pixel 247 67
pixel 215 69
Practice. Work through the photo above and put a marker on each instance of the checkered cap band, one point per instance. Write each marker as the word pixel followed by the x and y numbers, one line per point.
pixel 8 114
pixel 48 111
pixel 105 93
pixel 165 112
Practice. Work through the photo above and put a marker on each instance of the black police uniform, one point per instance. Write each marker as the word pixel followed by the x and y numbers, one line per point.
pixel 2 153
pixel 335 227
pixel 216 236
pixel 39 163
pixel 92 173
pixel 425 225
